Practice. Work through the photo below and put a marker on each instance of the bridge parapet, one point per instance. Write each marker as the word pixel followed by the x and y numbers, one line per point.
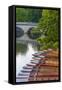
pixel 26 23
pixel 25 26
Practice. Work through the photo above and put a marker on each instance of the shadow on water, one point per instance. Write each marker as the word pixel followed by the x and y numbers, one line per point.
pixel 21 48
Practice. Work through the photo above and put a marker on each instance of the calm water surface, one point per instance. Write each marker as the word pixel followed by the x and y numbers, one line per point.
pixel 24 55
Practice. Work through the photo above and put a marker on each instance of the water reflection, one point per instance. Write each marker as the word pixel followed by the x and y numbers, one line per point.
pixel 21 48
pixel 24 55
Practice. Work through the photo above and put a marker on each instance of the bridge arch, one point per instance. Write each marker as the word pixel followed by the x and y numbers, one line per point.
pixel 19 32
pixel 26 27
pixel 29 32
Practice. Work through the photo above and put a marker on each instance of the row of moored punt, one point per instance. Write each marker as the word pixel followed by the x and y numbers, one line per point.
pixel 43 66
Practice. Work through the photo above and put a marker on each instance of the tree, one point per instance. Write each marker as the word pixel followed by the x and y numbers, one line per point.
pixel 49 27
pixel 27 15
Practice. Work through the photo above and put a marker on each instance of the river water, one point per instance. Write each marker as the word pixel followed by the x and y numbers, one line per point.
pixel 24 53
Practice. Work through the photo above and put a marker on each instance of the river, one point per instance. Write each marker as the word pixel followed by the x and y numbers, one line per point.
pixel 24 53
pixel 25 47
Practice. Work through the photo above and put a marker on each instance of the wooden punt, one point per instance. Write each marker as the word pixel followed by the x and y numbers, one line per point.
pixel 48 65
pixel 31 65
pixel 22 77
pixel 56 63
pixel 37 55
pixel 47 73
pixel 27 67
pixel 34 62
pixel 51 59
pixel 40 52
pixel 46 76
pixel 41 56
pixel 37 62
pixel 50 55
pixel 21 80
pixel 48 69
pixel 25 71
pixel 23 74
pixel 38 58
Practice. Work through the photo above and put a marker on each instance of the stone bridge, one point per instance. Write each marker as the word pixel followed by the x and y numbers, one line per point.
pixel 25 26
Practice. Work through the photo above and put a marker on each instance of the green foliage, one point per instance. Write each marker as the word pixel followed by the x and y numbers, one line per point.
pixel 21 48
pixel 49 27
pixel 55 45
pixel 42 40
pixel 34 33
pixel 28 15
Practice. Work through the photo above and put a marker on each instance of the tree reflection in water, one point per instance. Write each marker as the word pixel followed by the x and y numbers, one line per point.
pixel 21 48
